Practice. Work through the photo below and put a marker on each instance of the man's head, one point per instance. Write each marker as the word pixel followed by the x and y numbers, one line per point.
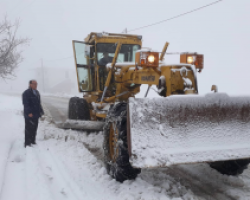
pixel 105 55
pixel 33 84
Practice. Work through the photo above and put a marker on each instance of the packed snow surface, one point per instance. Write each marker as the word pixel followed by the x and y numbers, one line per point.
pixel 189 129
pixel 67 165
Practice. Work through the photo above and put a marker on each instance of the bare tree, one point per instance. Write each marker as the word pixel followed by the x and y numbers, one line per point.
pixel 10 53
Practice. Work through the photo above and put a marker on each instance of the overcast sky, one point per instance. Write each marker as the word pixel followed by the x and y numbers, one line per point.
pixel 220 32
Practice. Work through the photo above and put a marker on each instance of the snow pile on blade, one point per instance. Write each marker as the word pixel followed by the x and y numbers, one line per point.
pixel 188 129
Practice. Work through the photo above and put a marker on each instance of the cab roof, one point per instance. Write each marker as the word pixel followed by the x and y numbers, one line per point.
pixel 93 35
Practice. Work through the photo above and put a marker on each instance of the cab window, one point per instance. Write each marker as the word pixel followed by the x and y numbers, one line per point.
pixel 105 55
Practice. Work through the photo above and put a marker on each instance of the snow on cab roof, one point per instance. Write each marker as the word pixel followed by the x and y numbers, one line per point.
pixel 105 34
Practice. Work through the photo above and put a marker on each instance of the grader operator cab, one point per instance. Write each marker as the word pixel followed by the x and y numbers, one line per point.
pixel 179 126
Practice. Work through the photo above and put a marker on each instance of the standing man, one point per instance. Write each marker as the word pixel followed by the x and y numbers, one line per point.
pixel 32 111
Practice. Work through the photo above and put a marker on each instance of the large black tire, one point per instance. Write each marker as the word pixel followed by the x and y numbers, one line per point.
pixel 78 109
pixel 117 164
pixel 231 167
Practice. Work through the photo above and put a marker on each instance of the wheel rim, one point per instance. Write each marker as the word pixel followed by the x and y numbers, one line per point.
pixel 113 142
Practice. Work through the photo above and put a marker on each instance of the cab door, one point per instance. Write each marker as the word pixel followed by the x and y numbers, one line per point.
pixel 85 72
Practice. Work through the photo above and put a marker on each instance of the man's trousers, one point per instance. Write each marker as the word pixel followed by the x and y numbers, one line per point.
pixel 30 131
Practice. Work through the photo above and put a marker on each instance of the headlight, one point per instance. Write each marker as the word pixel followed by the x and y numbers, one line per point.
pixel 151 59
pixel 147 58
pixel 193 59
pixel 190 59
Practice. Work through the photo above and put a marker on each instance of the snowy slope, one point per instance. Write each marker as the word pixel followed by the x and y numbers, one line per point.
pixel 67 164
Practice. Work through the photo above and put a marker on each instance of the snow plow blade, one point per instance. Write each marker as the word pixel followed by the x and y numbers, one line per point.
pixel 188 129
pixel 82 125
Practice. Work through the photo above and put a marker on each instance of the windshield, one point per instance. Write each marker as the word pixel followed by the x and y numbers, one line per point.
pixel 106 52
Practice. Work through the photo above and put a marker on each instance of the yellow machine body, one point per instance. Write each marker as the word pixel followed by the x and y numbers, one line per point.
pixel 183 127
pixel 127 77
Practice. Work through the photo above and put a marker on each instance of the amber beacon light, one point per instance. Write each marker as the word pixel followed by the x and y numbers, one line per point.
pixel 147 59
pixel 193 59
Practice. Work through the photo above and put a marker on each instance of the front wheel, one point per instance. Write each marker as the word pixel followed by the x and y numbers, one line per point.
pixel 78 109
pixel 231 167
pixel 115 146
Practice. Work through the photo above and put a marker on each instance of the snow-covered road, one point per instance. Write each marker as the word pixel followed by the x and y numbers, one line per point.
pixel 67 164
pixel 58 107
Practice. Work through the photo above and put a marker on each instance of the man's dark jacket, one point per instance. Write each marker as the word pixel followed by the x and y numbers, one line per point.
pixel 32 104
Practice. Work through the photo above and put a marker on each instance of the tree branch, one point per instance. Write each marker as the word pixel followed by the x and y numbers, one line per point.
pixel 10 54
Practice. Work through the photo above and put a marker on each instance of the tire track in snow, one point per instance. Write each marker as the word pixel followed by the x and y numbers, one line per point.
pixel 61 183
pixel 197 186
pixel 5 169
pixel 21 160
pixel 212 183
pixel 36 187
pixel 48 174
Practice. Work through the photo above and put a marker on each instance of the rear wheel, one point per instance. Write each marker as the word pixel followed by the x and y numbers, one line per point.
pixel 231 167
pixel 116 157
pixel 78 109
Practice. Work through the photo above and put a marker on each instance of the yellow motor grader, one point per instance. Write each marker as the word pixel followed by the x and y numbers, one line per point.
pixel 179 126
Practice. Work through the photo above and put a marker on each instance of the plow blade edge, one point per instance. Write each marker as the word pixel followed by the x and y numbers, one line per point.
pixel 82 125
pixel 188 129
